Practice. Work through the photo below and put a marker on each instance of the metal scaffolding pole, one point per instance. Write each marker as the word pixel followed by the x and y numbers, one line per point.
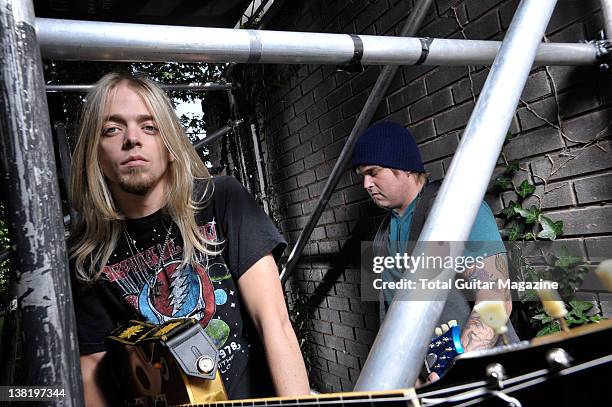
pixel 65 160
pixel 104 41
pixel 606 8
pixel 196 87
pixel 234 115
pixel 365 116
pixel 210 138
pixel 260 173
pixel 41 288
pixel 408 326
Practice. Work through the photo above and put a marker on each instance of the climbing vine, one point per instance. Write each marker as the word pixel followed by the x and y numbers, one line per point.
pixel 523 223
pixel 569 271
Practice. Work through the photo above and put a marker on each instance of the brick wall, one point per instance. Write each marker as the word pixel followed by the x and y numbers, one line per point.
pixel 309 111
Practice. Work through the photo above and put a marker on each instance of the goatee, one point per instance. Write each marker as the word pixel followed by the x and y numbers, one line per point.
pixel 136 182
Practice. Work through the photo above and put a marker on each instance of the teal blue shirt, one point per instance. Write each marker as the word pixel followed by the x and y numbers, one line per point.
pixel 484 233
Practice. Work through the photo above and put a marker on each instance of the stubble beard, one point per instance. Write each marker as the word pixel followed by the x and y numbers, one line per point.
pixel 137 181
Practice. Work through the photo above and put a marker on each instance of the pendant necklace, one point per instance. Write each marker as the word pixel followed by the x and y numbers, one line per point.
pixel 131 242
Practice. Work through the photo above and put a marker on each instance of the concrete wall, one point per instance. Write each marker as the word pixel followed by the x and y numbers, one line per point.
pixel 306 113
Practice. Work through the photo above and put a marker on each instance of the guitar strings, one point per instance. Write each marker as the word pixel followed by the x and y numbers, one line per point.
pixel 524 381
pixel 540 377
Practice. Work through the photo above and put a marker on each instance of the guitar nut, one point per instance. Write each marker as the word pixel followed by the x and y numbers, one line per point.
pixel 205 364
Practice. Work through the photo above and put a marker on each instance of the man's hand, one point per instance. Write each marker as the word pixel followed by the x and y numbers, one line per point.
pixel 430 379
pixel 93 380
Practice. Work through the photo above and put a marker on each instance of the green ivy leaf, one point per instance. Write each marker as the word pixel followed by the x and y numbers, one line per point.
pixel 581 320
pixel 543 317
pixel 510 210
pixel 521 211
pixel 534 214
pixel 502 183
pixel 515 233
pixel 525 189
pixel 528 296
pixel 548 329
pixel 529 236
pixel 581 306
pixel 530 215
pixel 512 167
pixel 550 228
pixel 568 261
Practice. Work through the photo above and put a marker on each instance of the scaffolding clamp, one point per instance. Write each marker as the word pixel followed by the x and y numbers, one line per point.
pixel 604 51
pixel 354 65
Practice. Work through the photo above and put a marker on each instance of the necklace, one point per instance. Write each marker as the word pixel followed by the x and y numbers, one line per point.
pixel 157 268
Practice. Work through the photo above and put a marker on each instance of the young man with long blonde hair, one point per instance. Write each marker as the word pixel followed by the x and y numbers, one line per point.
pixel 164 240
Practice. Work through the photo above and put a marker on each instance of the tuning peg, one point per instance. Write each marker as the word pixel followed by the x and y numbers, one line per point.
pixel 452 323
pixel 493 314
pixel 604 272
pixel 554 306
pixel 445 328
pixel 552 302
pixel 438 331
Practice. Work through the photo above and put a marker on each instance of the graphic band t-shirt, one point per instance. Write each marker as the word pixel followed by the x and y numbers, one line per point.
pixel 144 273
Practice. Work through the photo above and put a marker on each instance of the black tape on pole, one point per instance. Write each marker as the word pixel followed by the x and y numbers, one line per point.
pixel 354 65
pixel 357 49
pixel 425 44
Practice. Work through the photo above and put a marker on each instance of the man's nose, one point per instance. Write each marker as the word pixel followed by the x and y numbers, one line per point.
pixel 367 182
pixel 131 138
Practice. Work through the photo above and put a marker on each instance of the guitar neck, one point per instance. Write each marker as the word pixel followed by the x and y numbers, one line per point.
pixel 402 397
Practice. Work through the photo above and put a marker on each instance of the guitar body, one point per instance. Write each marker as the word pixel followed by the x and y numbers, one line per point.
pixel 148 373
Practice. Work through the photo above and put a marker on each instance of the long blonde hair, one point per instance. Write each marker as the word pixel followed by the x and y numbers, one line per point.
pixel 98 227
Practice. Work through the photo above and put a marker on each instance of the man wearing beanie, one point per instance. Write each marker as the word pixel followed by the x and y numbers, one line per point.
pixel 388 158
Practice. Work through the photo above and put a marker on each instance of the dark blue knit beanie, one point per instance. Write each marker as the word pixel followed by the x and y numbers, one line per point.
pixel 389 145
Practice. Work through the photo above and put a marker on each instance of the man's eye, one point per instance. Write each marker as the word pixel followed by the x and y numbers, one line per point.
pixel 110 130
pixel 150 129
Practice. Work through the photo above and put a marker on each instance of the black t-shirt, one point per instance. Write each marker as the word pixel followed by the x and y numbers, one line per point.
pixel 155 289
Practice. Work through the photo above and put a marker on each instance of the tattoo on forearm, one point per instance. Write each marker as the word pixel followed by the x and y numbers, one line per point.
pixel 501 265
pixel 495 268
pixel 477 335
